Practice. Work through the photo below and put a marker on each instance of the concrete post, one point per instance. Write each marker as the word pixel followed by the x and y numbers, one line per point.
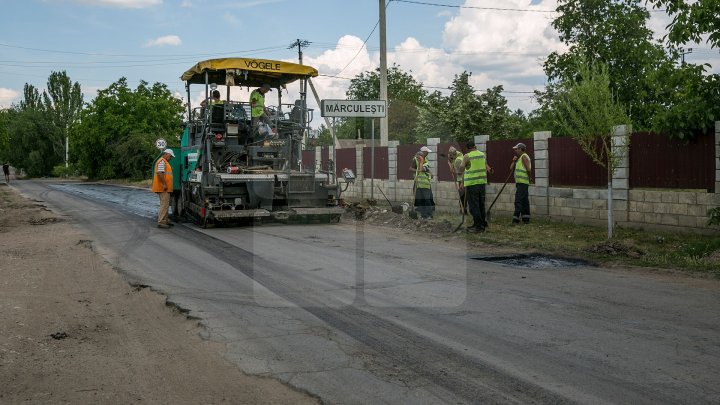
pixel 432 143
pixel 539 191
pixel 359 171
pixel 318 156
pixel 717 157
pixel 392 170
pixel 481 142
pixel 621 176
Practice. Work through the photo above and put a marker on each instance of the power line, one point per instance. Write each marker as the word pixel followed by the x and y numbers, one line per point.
pixel 478 7
pixel 195 55
pixel 429 87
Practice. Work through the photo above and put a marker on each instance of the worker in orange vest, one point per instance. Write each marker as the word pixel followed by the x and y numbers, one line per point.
pixel 163 186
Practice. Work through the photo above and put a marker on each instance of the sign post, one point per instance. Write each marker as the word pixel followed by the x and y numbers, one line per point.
pixel 161 144
pixel 359 109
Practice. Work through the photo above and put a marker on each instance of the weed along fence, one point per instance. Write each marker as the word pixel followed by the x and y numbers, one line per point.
pixel 659 183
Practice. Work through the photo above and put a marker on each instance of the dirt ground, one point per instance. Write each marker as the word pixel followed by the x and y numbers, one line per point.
pixel 73 331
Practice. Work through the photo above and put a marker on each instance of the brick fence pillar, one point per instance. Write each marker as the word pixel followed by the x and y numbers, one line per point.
pixel 392 170
pixel 432 143
pixel 481 142
pixel 539 191
pixel 621 176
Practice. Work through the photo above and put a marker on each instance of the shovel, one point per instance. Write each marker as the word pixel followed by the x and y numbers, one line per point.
pixel 394 208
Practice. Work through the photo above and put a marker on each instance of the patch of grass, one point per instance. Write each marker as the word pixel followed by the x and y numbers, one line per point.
pixel 628 246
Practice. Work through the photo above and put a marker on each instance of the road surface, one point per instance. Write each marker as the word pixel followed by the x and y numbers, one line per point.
pixel 359 314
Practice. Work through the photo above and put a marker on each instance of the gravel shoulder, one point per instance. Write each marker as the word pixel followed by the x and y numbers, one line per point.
pixel 74 331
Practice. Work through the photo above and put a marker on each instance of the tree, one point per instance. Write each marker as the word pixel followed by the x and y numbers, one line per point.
pixel 588 111
pixel 692 20
pixel 405 95
pixel 115 136
pixel 612 32
pixel 464 113
pixel 33 141
pixel 63 102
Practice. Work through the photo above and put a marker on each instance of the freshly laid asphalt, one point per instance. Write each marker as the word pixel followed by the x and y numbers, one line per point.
pixel 357 314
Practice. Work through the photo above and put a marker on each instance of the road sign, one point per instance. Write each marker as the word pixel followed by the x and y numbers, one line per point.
pixel 353 108
pixel 161 144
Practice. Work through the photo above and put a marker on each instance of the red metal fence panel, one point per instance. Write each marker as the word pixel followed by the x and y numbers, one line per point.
pixel 345 159
pixel 308 159
pixel 570 166
pixel 658 161
pixel 500 155
pixel 405 155
pixel 381 162
pixel 324 156
pixel 444 173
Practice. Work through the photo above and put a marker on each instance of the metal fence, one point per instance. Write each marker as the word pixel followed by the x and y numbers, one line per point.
pixel 570 166
pixel 660 162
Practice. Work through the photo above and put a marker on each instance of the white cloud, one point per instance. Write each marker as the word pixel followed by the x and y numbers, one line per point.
pixel 186 4
pixel 123 3
pixel 8 96
pixel 498 48
pixel 172 40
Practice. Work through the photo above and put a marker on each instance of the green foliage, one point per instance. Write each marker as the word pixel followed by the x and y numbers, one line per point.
pixel 405 95
pixel 587 111
pixel 325 137
pixel 693 102
pixel 62 101
pixel 116 132
pixel 464 114
pixel 4 135
pixel 714 216
pixel 615 34
pixel 34 142
pixel 692 20
pixel 62 171
pixel 675 99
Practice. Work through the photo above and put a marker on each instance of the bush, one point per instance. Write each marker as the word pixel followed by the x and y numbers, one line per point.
pixel 714 215
pixel 62 171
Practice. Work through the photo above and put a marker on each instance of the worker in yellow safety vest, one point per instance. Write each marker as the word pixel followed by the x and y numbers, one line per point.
pixel 475 178
pixel 522 166
pixel 420 167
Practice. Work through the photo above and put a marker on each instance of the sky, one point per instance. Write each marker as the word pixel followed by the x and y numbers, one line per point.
pixel 501 42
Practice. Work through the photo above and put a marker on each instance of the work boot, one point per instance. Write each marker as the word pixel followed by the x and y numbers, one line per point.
pixel 163 226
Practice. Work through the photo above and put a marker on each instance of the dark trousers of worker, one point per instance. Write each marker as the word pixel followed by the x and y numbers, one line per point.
pixel 424 203
pixel 476 204
pixel 522 203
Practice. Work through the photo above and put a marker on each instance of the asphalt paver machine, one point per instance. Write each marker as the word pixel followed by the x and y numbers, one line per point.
pixel 231 170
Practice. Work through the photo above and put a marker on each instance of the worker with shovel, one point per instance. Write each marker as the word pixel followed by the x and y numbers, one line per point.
pixel 522 167
pixel 475 178
pixel 420 167
pixel 455 159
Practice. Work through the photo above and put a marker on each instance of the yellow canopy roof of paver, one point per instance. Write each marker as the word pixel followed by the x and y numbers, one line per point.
pixel 247 72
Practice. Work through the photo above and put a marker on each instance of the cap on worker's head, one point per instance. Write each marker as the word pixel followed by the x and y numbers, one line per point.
pixel 425 149
pixel 520 146
pixel 266 87
pixel 470 145
pixel 452 150
pixel 169 152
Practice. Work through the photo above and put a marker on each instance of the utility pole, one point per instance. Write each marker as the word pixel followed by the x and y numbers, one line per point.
pixel 383 75
pixel 303 83
pixel 683 53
